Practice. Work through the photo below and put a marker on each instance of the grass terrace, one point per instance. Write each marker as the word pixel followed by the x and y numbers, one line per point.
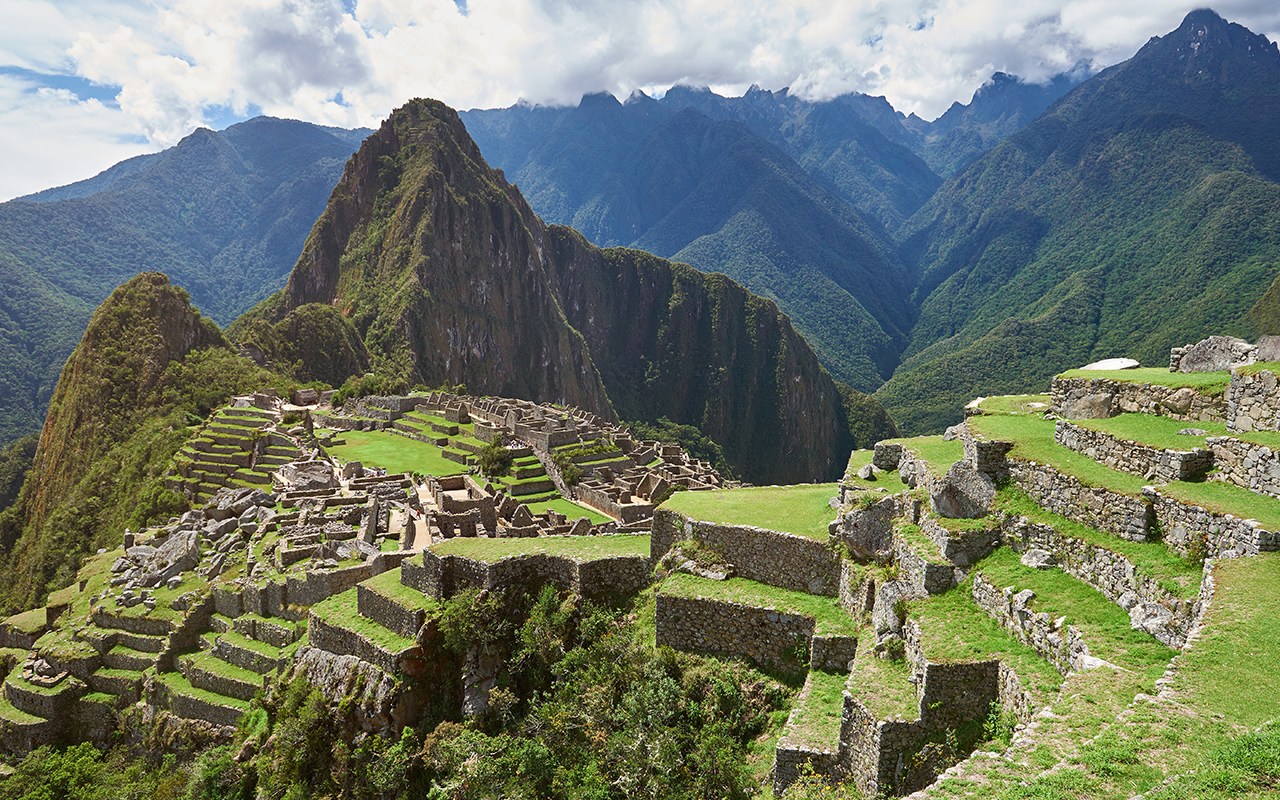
pixel 1104 624
pixel 816 721
pixel 394 453
pixel 569 508
pixel 578 548
pixel 342 610
pixel 939 454
pixel 1206 383
pixel 28 621
pixel 1162 432
pixel 802 510
pixel 413 417
pixel 1021 404
pixel 828 617
pixel 388 585
pixel 180 685
pixel 1033 441
pixel 881 685
pixel 919 542
pixel 953 628
pixel 1176 575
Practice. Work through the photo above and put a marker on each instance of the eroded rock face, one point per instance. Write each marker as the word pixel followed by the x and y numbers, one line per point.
pixel 963 493
pixel 374 693
pixel 1039 559
pixel 884 615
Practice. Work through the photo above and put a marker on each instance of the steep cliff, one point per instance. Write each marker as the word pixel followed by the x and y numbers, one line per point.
pixel 449 277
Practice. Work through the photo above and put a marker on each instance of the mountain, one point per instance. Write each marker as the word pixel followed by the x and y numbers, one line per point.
pixel 1140 212
pixel 715 182
pixel 448 276
pixel 223 213
pixel 147 366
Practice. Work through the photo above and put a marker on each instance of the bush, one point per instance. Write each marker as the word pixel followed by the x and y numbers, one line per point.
pixel 495 460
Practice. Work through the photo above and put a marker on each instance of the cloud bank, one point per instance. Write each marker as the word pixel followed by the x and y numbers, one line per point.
pixel 177 64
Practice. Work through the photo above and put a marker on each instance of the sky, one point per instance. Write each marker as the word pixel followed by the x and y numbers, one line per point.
pixel 87 83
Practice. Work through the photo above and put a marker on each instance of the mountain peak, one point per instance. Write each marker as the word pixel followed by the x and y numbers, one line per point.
pixel 1205 42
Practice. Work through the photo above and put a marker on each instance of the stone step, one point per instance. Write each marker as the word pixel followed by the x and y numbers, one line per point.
pixel 273 461
pixel 335 625
pixel 254 477
pixel 246 653
pixel 121 657
pixel 141 641
pixel 190 702
pixel 40 701
pixel 124 683
pixel 206 671
pixel 220 432
pixel 149 626
pixel 220 623
pixel 290 453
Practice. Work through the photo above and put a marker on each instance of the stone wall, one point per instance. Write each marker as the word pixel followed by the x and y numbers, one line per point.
pixel 767 637
pixel 870 749
pixel 1252 466
pixel 1105 570
pixel 964 547
pixel 918 571
pixel 600 578
pixel 343 641
pixel 389 614
pixel 1099 398
pixel 228 602
pixel 790 757
pixel 778 559
pixel 1150 462
pixel 1188 528
pixel 832 653
pixel 1060 645
pixel 857 593
pixel 868 529
pixel 317 585
pixel 189 707
pixel 1253 404
pixel 1127 517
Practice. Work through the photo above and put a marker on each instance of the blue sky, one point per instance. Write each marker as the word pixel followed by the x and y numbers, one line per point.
pixel 87 83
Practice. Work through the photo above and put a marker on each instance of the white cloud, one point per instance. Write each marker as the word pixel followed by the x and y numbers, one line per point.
pixel 177 60
pixel 51 138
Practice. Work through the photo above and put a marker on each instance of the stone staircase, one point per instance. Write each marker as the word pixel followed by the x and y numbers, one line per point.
pixel 234 448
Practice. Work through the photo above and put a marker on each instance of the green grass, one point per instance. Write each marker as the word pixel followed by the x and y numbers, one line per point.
pixel 342 611
pixel 468 428
pixel 827 615
pixel 1253 369
pixel 1016 404
pixel 570 509
pixel 211 663
pixel 1033 441
pixel 953 628
pixel 32 621
pixel 578 548
pixel 394 453
pixel 16 679
pixel 1206 383
pixel 388 585
pixel 1227 498
pixel 802 510
pixel 240 640
pixel 881 685
pixel 939 455
pixel 179 684
pixel 1162 432
pixel 12 714
pixel 1104 625
pixel 1175 574
pixel 816 721
pixel 919 542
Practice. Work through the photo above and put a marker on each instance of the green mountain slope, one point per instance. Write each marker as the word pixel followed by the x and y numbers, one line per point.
pixel 447 276
pixel 222 213
pixel 1141 212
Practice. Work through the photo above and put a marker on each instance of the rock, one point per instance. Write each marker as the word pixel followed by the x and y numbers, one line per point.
pixel 1152 618
pixel 309 474
pixel 174 582
pixel 1089 405
pixel 1268 349
pixel 867 472
pixel 140 552
pixel 1039 559
pixel 953 433
pixel 1112 363
pixel 1193 432
pixel 1179 402
pixel 306 397
pixel 1127 600
pixel 884 614
pixel 963 493
pixel 1216 354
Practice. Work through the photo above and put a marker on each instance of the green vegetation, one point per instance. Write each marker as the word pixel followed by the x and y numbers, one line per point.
pixel 1162 432
pixel 816 721
pixel 394 453
pixel 578 548
pixel 1036 404
pixel 938 454
pixel 495 460
pixel 1033 441
pixel 881 684
pixel 1105 625
pixel 1227 498
pixel 388 585
pixel 953 628
pixel 802 510
pixel 342 610
pixel 569 508
pixel 828 617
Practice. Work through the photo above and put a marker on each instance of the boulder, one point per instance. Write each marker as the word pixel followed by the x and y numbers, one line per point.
pixel 1268 349
pixel 1112 363
pixel 867 472
pixel 1179 402
pixel 1087 405
pixel 1152 618
pixel 306 397
pixel 1039 559
pixel 884 614
pixel 953 433
pixel 1193 432
pixel 1216 354
pixel 309 474
pixel 963 493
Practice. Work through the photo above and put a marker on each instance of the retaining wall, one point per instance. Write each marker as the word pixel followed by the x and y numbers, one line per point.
pixel 790 757
pixel 1127 517
pixel 444 576
pixel 1099 398
pixel 1187 527
pixel 1138 459
pixel 1253 404
pixel 767 637
pixel 1251 466
pixel 778 559
pixel 343 641
pixel 388 613
pixel 1061 646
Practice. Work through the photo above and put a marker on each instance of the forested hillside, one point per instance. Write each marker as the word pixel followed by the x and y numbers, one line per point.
pixel 222 213
pixel 1141 212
